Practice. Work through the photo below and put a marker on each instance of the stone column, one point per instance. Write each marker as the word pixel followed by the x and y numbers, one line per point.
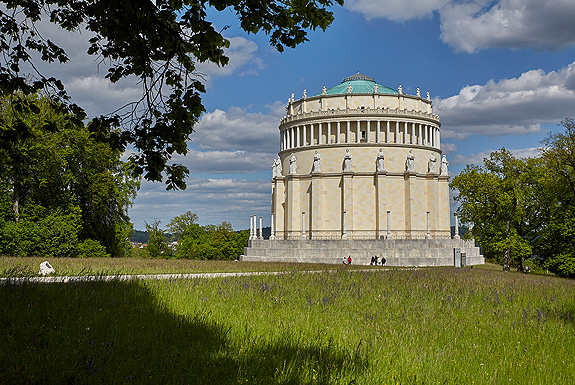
pixel 457 227
pixel 251 229
pixel 261 235
pixel 337 138
pixel 389 225
pixel 396 139
pixel 404 132
pixel 328 141
pixel 357 131
pixel 303 225
pixel 387 131
pixel 438 138
pixel 305 135
pixel 428 234
pixel 367 133
pixel 378 134
pixel 420 135
pixel 292 135
pixel 343 226
pixel 311 134
pixel 348 137
pixel 297 136
pixel 273 230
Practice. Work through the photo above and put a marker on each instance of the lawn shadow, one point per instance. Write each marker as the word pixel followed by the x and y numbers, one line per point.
pixel 118 332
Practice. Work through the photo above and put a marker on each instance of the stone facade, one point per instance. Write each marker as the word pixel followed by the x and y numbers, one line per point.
pixel 359 161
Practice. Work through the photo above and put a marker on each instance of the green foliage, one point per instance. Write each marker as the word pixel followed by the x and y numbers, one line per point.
pixel 524 206
pixel 157 246
pixel 556 243
pixel 180 224
pixel 52 235
pixel 494 198
pixel 125 35
pixel 90 248
pixel 57 172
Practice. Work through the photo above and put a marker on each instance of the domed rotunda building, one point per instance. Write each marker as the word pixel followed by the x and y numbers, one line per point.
pixel 360 172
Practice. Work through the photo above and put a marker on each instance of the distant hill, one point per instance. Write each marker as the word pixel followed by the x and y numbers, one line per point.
pixel 140 236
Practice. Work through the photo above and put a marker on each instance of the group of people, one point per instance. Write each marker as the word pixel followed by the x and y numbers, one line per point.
pixel 376 261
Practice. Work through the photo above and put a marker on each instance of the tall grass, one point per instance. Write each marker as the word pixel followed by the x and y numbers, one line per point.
pixel 424 326
pixel 30 266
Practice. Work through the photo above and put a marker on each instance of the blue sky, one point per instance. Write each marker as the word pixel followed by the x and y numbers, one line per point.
pixel 500 74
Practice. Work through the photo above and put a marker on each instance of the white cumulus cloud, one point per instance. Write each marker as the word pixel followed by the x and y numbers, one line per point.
pixel 516 24
pixel 474 25
pixel 396 10
pixel 509 106
pixel 238 129
pixel 213 200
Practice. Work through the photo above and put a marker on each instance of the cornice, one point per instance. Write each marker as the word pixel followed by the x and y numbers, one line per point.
pixel 359 113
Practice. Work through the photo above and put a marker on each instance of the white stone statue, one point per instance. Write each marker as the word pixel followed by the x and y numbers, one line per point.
pixel 444 164
pixel 316 162
pixel 379 165
pixel 375 88
pixel 46 268
pixel 324 90
pixel 428 97
pixel 432 167
pixel 292 97
pixel 347 161
pixel 418 93
pixel 279 170
pixel 304 93
pixel 348 88
pixel 410 162
pixel 400 90
pixel 292 164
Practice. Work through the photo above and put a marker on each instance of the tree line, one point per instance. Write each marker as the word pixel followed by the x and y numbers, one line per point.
pixel 193 241
pixel 518 208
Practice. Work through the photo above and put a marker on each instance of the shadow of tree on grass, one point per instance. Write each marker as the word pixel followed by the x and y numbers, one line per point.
pixel 118 332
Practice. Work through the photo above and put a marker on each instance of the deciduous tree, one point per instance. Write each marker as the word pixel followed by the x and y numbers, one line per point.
pixel 156 42
pixel 58 169
pixel 494 198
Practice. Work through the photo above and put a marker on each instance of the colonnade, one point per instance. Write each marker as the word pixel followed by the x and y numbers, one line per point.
pixel 353 131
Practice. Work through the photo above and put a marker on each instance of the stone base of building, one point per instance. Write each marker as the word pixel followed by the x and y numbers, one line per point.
pixel 397 252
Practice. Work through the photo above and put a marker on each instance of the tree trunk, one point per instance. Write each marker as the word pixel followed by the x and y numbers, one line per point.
pixel 507 252
pixel 506 259
pixel 16 202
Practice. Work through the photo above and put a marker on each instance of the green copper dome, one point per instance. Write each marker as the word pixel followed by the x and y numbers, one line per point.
pixel 358 84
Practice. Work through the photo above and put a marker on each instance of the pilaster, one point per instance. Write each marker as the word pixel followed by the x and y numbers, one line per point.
pixel 347 197
pixel 381 204
pixel 316 209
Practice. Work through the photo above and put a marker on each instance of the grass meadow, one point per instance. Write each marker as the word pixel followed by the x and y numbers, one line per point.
pixel 30 266
pixel 420 326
